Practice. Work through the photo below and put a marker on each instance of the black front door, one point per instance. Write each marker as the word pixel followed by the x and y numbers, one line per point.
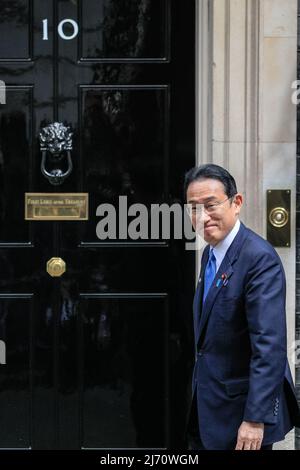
pixel 101 356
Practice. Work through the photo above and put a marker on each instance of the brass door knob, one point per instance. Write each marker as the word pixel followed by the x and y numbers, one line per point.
pixel 56 267
pixel 279 217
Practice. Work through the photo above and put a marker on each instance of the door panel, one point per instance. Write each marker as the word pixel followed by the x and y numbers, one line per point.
pixel 126 30
pixel 100 357
pixel 16 16
pixel 124 149
pixel 118 333
pixel 15 163
pixel 15 384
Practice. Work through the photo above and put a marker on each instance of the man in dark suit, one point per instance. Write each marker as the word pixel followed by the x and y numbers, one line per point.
pixel 243 392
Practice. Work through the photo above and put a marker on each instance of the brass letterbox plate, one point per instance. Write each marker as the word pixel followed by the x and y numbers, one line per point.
pixel 56 206
pixel 279 217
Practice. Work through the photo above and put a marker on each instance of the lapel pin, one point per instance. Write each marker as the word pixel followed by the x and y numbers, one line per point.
pixel 224 279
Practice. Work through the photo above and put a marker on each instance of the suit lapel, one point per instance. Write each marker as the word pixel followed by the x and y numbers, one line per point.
pixel 226 268
pixel 215 289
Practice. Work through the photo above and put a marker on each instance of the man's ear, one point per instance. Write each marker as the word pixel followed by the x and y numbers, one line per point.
pixel 238 201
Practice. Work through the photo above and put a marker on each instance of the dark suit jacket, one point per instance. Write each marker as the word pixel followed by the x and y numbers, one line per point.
pixel 241 371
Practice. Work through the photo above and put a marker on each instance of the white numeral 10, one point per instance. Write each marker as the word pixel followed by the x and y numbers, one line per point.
pixel 60 29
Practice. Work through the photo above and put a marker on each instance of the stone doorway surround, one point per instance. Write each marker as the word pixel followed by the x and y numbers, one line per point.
pixel 246 121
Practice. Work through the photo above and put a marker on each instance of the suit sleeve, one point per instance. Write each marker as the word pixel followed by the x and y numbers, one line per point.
pixel 265 310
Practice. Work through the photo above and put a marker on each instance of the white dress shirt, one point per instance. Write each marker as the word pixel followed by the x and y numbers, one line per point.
pixel 221 248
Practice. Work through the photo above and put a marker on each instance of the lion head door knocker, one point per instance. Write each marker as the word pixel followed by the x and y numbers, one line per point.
pixel 56 140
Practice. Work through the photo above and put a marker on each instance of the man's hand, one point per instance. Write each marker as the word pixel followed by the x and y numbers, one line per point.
pixel 250 436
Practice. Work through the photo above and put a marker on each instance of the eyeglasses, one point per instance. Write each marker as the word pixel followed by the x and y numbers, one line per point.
pixel 199 209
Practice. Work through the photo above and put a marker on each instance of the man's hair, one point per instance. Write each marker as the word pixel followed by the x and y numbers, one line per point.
pixel 211 171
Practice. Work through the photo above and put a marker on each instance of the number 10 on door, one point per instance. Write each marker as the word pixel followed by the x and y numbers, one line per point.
pixel 60 29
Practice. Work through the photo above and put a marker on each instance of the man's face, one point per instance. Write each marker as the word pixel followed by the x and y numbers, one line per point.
pixel 220 219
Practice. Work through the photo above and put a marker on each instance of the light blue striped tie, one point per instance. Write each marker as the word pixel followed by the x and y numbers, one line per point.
pixel 210 273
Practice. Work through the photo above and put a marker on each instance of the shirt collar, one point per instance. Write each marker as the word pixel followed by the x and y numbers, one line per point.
pixel 221 248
